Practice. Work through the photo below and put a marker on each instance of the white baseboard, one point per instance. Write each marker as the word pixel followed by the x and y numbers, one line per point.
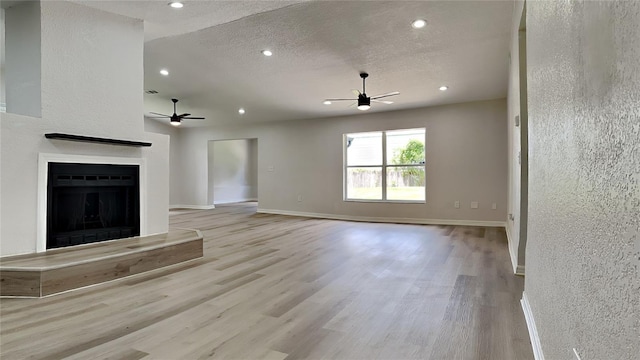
pixel 517 269
pixel 194 207
pixel 237 201
pixel 385 219
pixel 531 325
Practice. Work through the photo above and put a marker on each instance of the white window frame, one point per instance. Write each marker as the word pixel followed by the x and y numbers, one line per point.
pixel 384 167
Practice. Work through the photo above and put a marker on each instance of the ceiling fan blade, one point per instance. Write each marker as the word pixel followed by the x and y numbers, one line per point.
pixel 193 118
pixel 155 113
pixel 353 104
pixel 356 92
pixel 158 117
pixel 385 95
pixel 183 115
pixel 340 99
pixel 382 101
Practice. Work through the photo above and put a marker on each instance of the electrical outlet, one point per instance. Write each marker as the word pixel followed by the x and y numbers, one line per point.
pixel 299 197
pixel 456 204
pixel 494 206
pixel 474 204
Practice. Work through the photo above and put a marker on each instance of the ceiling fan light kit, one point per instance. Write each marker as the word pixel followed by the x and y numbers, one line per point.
pixel 364 101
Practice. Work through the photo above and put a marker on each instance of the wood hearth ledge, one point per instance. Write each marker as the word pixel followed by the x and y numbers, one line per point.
pixel 58 270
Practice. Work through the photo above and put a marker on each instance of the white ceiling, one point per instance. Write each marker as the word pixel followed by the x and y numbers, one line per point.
pixel 212 50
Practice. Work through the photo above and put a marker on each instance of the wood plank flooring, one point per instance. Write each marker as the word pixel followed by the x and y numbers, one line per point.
pixel 280 287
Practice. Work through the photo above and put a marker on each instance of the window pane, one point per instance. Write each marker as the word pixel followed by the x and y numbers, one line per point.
pixel 405 147
pixel 406 183
pixel 364 183
pixel 364 149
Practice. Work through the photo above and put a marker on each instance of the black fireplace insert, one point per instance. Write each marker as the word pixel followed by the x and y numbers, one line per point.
pixel 89 203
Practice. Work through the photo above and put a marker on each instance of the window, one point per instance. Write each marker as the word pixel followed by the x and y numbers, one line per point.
pixel 385 165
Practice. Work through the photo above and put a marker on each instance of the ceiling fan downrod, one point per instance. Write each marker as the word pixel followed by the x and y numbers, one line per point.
pixel 363 75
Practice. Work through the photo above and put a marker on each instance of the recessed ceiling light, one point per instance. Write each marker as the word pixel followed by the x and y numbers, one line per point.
pixel 164 72
pixel 176 4
pixel 443 88
pixel 266 52
pixel 327 102
pixel 241 111
pixel 419 24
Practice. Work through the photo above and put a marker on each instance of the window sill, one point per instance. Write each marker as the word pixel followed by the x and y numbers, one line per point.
pixel 386 201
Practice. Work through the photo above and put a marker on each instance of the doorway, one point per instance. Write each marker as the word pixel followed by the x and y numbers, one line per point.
pixel 232 171
pixel 519 156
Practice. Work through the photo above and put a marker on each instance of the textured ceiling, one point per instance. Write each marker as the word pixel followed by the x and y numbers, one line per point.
pixel 319 48
pixel 161 21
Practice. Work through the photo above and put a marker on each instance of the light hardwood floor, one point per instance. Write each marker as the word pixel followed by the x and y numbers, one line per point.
pixel 276 287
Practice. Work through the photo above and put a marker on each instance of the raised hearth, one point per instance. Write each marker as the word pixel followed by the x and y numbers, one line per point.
pixel 58 270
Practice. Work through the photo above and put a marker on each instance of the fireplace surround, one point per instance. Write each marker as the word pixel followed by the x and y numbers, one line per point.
pixel 44 159
pixel 89 203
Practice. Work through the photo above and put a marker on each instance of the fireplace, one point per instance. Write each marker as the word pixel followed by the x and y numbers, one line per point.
pixel 89 203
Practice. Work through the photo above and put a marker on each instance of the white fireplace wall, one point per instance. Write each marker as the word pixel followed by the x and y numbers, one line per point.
pixel 92 71
pixel 22 142
pixel 92 84
pixel 157 203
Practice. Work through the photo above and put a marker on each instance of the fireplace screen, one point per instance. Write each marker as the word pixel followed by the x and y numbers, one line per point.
pixel 91 202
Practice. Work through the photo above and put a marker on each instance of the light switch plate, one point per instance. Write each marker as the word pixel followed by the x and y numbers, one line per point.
pixel 474 204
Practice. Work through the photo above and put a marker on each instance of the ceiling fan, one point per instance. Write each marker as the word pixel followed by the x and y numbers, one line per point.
pixel 364 101
pixel 176 119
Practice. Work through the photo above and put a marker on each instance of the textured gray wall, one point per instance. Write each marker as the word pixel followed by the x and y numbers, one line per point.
pixel 584 201
pixel 466 160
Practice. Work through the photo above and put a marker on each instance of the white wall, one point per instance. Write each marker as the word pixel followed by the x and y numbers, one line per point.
pixel 92 71
pixel 232 171
pixel 157 164
pixel 175 176
pixel 466 161
pixel 91 85
pixel 3 93
pixel 253 169
pixel 23 65
pixel 583 248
